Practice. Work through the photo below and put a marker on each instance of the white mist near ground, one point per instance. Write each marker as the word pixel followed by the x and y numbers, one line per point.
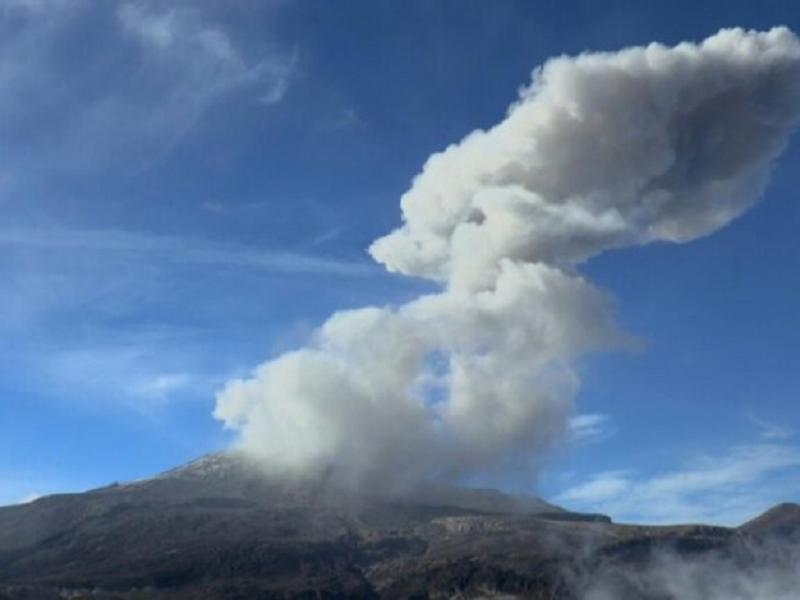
pixel 671 576
pixel 600 151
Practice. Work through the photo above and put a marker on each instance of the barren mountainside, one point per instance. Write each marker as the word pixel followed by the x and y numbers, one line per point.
pixel 218 528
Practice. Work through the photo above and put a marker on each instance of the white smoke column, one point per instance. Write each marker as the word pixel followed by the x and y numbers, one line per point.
pixel 601 151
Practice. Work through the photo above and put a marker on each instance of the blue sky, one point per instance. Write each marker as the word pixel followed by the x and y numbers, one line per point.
pixel 189 190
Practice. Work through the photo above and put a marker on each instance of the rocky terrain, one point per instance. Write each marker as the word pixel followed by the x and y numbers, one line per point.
pixel 217 528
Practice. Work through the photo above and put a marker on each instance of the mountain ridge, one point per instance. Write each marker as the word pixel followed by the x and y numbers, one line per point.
pixel 217 527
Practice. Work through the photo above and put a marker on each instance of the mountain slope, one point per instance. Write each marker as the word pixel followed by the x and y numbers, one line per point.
pixel 218 528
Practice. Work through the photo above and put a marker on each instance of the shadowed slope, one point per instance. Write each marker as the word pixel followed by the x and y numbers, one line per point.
pixel 218 528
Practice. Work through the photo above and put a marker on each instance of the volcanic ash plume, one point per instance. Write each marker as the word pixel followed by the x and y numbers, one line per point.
pixel 601 151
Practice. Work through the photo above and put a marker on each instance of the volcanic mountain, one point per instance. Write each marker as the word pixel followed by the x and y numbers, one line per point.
pixel 219 528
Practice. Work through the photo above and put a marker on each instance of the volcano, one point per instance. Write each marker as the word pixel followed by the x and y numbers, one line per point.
pixel 219 528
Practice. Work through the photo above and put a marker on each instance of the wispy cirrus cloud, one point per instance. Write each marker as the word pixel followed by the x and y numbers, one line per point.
pixel 726 488
pixel 344 119
pixel 768 430
pixel 143 375
pixel 590 427
pixel 134 319
pixel 177 250
pixel 87 85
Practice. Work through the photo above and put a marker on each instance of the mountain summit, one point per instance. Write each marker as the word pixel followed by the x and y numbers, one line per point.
pixel 219 528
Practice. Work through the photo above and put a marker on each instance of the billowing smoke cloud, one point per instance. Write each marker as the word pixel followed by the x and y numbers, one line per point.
pixel 601 151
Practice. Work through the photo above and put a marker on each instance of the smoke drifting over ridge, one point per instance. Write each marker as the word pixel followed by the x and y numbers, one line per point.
pixel 601 151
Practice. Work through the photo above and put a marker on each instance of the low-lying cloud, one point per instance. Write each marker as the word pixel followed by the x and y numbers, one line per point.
pixel 600 151
pixel 702 576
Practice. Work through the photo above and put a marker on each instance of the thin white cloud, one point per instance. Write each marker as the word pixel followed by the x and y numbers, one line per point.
pixel 600 488
pixel 276 79
pixel 214 207
pixel 164 384
pixel 32 6
pixel 15 496
pixel 180 34
pixel 726 489
pixel 102 338
pixel 590 427
pixel 347 118
pixel 149 80
pixel 180 250
pixel 29 497
pixel 137 373
pixel 770 431
pixel 22 487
